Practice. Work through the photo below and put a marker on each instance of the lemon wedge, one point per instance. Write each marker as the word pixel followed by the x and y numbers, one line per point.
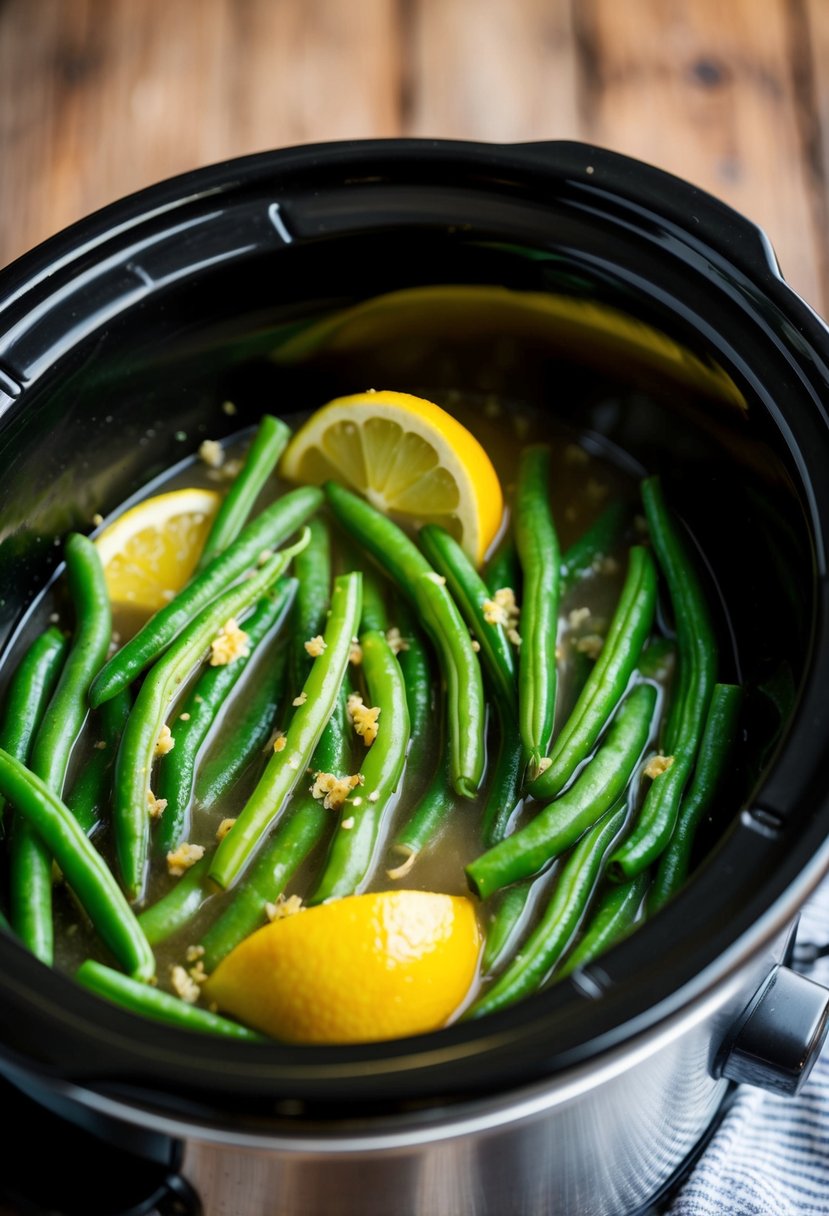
pixel 150 551
pixel 408 457
pixel 356 970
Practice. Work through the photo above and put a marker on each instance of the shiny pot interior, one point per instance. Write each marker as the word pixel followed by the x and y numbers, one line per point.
pixel 674 344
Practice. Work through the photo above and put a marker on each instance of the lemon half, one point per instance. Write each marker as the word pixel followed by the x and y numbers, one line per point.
pixel 408 457
pixel 356 970
pixel 150 551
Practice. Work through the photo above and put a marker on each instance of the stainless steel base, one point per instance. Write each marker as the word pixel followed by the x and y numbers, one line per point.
pixel 574 1152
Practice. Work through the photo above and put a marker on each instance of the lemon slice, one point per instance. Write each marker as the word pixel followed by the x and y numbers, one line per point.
pixel 408 457
pixel 150 551
pixel 356 970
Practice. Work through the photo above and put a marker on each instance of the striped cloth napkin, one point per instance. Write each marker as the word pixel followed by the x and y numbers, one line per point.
pixel 770 1156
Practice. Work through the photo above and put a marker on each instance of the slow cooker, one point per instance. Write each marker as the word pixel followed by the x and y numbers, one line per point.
pixel 655 321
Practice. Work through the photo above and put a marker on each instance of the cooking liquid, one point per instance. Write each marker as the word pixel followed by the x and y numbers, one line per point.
pixel 583 480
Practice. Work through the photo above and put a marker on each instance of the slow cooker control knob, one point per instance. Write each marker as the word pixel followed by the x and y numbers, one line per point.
pixel 780 1035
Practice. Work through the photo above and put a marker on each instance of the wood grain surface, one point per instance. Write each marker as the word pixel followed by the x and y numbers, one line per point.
pixel 101 97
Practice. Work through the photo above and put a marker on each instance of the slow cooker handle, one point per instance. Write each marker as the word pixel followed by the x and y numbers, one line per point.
pixel 779 1037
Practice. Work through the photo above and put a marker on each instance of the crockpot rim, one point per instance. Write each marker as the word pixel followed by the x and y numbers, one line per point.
pixel 741 245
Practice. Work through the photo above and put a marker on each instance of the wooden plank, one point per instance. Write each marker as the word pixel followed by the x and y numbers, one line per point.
pixel 810 51
pixel 707 90
pixel 101 97
pixel 484 69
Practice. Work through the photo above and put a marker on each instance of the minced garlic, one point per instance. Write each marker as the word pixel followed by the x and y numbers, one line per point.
pixel 544 764
pixel 197 973
pixel 476 645
pixel 347 824
pixel 591 645
pixel 355 654
pixel 155 806
pixel 284 906
pixel 657 765
pixel 223 828
pixel 395 640
pixel 301 699
pixel 364 718
pixel 606 565
pixel 503 610
pixel 578 617
pixel 315 646
pixel 228 408
pixel 230 645
pixel 184 985
pixel 333 790
pixel 212 453
pixel 182 858
pixel 165 742
pixel 494 614
pixel 280 742
pixel 101 745
pixel 194 953
pixel 97 519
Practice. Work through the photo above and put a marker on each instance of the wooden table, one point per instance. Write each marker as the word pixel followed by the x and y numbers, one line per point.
pixel 101 97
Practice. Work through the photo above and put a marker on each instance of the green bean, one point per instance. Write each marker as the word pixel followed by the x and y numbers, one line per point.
pixel 537 543
pixel 30 876
pixel 266 447
pixel 135 755
pixel 355 842
pixel 160 1006
pixel 471 594
pixel 609 678
pixel 600 539
pixel 177 908
pixel 176 770
pixel 30 690
pixel 375 617
pixel 414 663
pixel 304 826
pixel 718 739
pixel 84 869
pixel 407 566
pixel 613 919
pixel 560 824
pixel 235 750
pixel 503 570
pixel 287 766
pixel 269 529
pixel 91 794
pixel 658 659
pixel 504 791
pixel 312 568
pixel 437 799
pixel 550 938
pixel 66 711
pixel 697 673
pixel 427 817
pixel 505 925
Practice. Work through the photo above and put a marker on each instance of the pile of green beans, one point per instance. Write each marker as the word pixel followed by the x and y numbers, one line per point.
pixel 582 839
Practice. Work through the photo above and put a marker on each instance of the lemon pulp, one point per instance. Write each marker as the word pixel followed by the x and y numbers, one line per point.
pixel 408 457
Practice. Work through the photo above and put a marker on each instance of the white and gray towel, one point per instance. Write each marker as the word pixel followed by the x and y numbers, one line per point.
pixel 770 1156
